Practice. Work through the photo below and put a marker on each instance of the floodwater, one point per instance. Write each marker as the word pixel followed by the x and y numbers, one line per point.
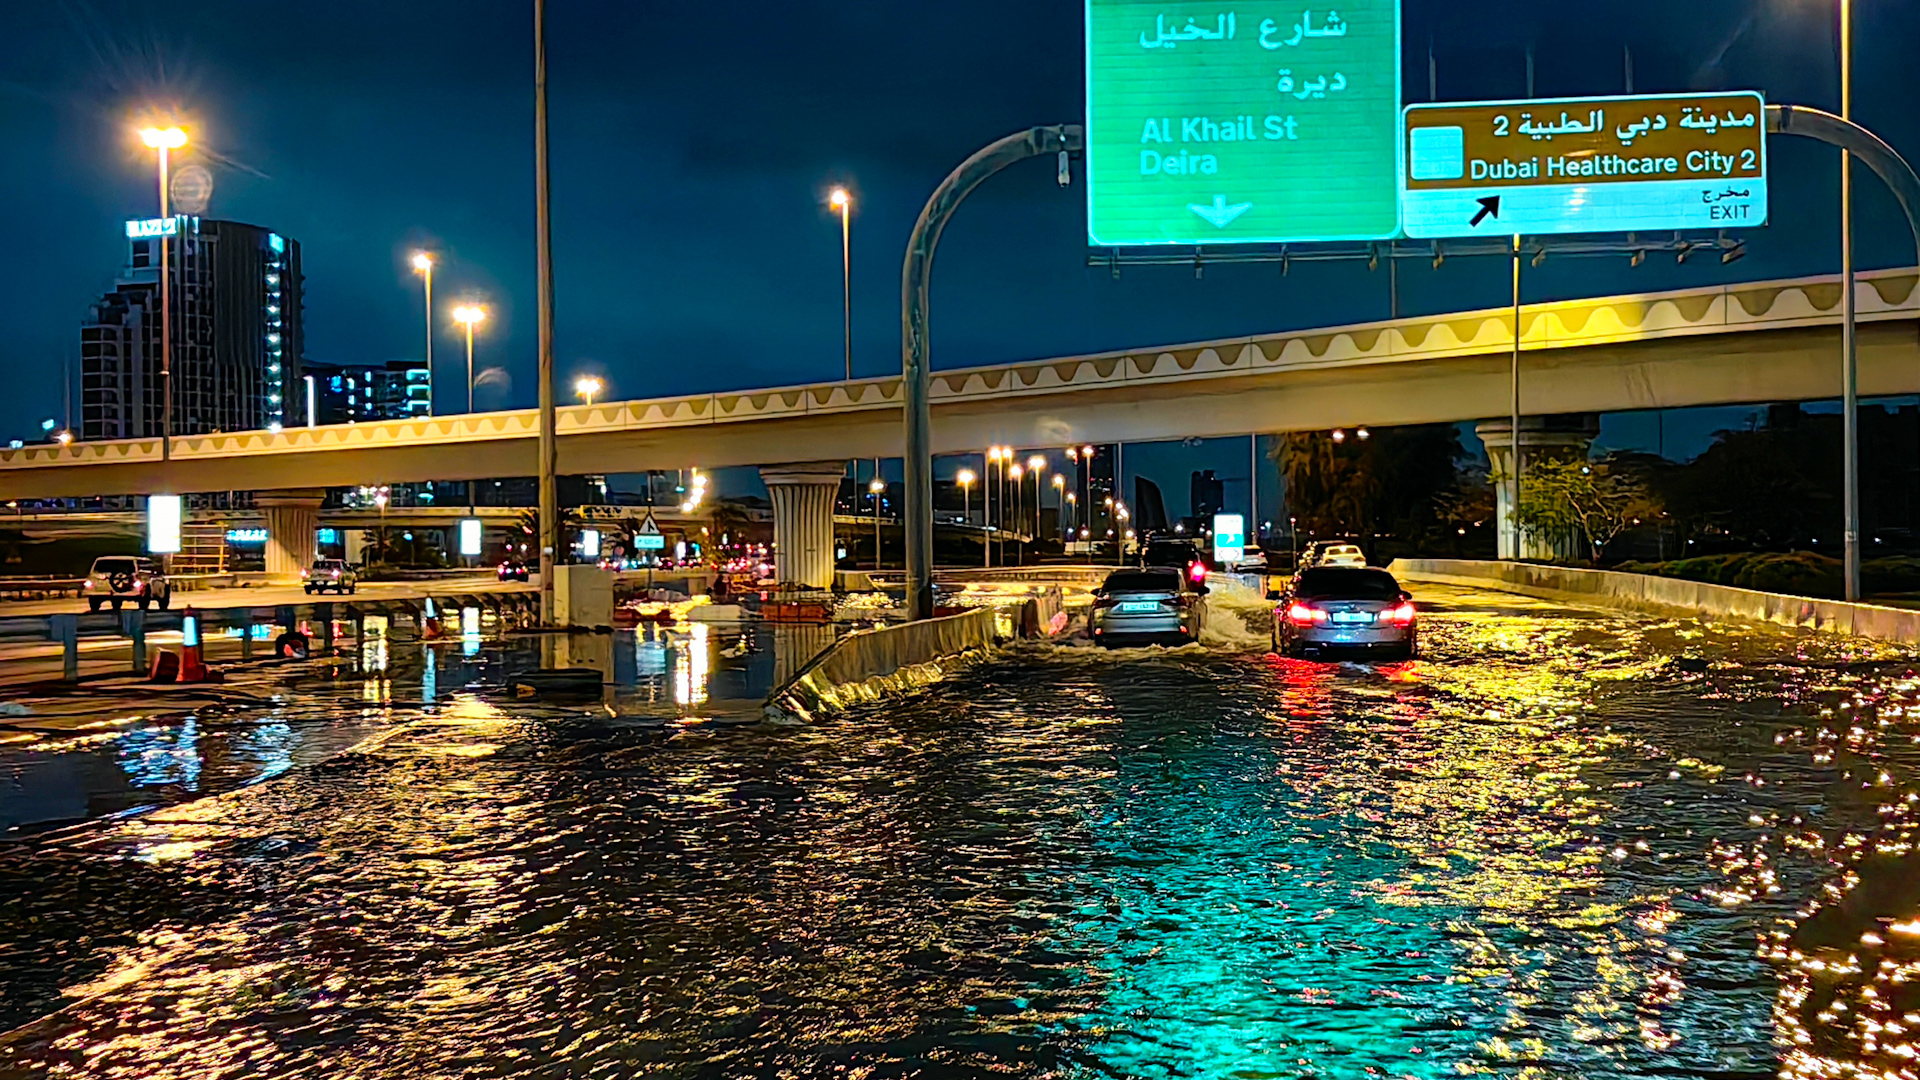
pixel 1563 844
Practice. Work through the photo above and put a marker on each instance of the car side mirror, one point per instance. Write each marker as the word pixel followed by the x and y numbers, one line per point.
pixel 1405 596
pixel 1202 590
pixel 1274 595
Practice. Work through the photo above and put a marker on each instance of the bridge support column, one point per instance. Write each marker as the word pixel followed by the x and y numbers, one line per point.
pixel 293 520
pixel 1540 437
pixel 803 495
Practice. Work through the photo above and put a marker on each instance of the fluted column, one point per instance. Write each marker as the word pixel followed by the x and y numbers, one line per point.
pixel 1539 435
pixel 293 519
pixel 803 495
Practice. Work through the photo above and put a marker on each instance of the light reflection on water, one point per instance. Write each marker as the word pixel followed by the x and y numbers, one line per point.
pixel 1547 851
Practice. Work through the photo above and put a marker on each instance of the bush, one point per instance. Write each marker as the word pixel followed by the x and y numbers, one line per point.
pixel 1799 573
pixel 1896 575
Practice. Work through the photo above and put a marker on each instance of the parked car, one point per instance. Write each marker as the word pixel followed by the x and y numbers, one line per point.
pixel 1154 604
pixel 1357 608
pixel 332 574
pixel 1182 555
pixel 117 579
pixel 513 570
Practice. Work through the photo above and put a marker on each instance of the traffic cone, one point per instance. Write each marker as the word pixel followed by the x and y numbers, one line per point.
pixel 193 669
pixel 430 629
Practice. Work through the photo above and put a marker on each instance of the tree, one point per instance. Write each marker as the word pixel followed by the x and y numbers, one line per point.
pixel 1391 482
pixel 1596 499
pixel 730 519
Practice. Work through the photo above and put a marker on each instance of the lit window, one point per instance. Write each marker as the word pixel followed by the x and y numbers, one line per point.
pixel 273 280
pixel 275 242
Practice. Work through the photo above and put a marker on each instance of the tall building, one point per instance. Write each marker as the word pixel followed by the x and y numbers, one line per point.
pixel 357 393
pixel 238 338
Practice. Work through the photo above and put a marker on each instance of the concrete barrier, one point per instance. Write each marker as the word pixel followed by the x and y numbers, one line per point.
pixel 1669 596
pixel 867 664
pixel 1044 615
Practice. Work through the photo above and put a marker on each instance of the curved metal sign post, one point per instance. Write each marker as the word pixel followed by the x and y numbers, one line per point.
pixel 916 279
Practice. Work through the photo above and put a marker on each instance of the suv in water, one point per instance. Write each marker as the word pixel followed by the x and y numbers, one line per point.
pixel 327 574
pixel 120 578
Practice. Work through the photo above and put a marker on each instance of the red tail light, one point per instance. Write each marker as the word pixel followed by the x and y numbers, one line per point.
pixel 1198 572
pixel 1402 615
pixel 1104 602
pixel 1302 615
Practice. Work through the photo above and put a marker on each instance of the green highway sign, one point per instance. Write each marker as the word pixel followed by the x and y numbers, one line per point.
pixel 1242 124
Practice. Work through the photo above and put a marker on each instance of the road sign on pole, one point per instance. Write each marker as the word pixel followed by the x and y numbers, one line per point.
pixel 1267 125
pixel 1229 539
pixel 649 538
pixel 1619 164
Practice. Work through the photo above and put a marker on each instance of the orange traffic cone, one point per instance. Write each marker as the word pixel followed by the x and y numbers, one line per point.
pixel 193 669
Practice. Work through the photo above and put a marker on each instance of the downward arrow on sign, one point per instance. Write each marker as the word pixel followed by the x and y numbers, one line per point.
pixel 1220 214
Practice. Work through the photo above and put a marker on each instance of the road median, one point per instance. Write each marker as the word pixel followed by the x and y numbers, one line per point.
pixel 868 664
pixel 1669 596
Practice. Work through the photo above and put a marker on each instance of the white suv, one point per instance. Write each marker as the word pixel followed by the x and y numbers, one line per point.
pixel 120 578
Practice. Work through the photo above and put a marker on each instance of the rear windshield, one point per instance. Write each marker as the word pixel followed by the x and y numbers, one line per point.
pixel 1343 583
pixel 113 566
pixel 1142 581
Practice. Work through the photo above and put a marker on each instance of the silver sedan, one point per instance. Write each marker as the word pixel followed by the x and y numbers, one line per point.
pixel 1147 606
pixel 1346 609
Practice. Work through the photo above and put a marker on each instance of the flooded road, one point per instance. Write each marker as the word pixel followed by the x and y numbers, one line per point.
pixel 1562 844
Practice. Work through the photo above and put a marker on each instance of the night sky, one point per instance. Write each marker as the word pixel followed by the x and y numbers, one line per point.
pixel 693 146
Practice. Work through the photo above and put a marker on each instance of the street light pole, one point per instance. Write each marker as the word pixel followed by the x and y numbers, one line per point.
pixel 1850 357
pixel 1018 476
pixel 1513 430
pixel 543 264
pixel 843 203
pixel 467 315
pixel 876 488
pixel 423 265
pixel 162 141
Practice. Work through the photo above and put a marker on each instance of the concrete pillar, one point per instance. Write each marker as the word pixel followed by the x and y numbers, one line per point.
pixel 293 520
pixel 1558 435
pixel 803 495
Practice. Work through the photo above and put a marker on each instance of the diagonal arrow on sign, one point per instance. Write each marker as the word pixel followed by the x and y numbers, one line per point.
pixel 1220 214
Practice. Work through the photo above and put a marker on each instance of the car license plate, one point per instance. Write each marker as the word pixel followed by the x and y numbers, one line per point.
pixel 1138 607
pixel 1352 617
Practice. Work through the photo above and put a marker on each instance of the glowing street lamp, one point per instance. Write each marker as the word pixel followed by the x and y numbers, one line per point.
pixel 163 140
pixel 587 386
